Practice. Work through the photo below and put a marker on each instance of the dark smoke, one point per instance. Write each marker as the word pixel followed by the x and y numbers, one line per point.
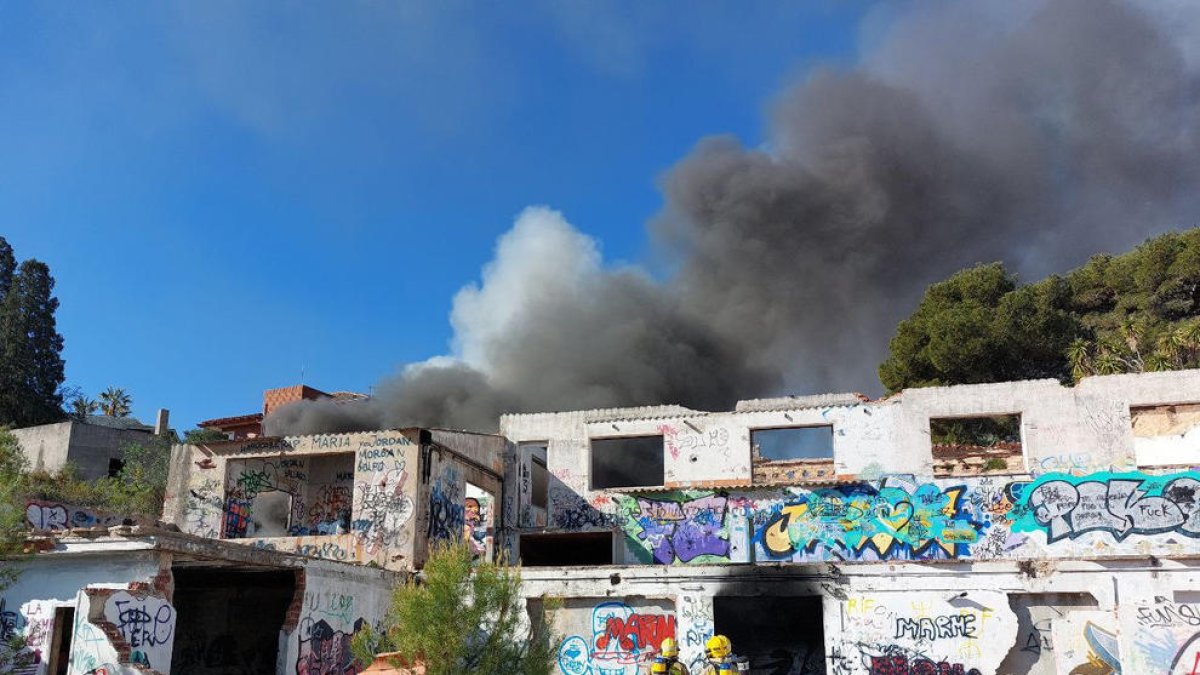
pixel 1034 133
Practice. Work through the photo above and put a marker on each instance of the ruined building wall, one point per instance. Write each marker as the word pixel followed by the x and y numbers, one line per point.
pixel 1078 557
pixel 373 497
pixel 1081 491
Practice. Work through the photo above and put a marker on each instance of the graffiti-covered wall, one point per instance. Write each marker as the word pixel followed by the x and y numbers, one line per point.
pixel 333 610
pixel 122 620
pixel 615 637
pixel 343 497
pixel 363 497
pixel 917 633
pixel 902 518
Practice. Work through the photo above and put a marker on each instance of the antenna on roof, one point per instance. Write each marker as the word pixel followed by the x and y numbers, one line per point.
pixel 301 374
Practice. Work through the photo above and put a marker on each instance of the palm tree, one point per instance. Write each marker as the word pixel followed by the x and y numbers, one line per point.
pixel 114 402
pixel 1080 359
pixel 82 406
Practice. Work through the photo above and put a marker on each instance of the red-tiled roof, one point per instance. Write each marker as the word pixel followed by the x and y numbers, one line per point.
pixel 236 420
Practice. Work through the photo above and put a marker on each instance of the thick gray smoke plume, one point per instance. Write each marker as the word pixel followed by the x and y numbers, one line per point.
pixel 1034 133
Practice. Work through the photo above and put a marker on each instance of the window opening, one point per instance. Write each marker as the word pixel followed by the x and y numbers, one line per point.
pixel 479 507
pixel 575 548
pixel 289 496
pixel 1166 435
pixel 60 642
pixel 793 443
pixel 792 454
pixel 974 445
pixel 632 461
pixel 540 483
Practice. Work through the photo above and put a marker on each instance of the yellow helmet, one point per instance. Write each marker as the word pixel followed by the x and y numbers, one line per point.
pixel 668 648
pixel 718 647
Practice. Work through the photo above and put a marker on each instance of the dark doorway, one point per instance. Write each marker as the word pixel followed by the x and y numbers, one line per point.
pixel 576 548
pixel 60 641
pixel 779 635
pixel 229 620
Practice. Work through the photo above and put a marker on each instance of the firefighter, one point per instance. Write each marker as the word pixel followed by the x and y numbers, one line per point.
pixel 719 658
pixel 667 662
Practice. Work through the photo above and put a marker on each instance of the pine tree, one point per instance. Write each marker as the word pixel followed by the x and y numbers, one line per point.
pixel 8 265
pixel 31 364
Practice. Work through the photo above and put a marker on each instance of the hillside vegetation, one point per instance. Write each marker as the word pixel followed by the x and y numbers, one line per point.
pixel 1135 312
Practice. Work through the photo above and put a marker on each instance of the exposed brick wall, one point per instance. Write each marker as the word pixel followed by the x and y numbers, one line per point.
pixel 292 618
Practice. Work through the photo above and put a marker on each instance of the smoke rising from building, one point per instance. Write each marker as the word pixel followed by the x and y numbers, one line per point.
pixel 1033 133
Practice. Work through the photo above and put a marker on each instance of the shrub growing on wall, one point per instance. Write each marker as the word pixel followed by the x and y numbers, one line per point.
pixel 461 616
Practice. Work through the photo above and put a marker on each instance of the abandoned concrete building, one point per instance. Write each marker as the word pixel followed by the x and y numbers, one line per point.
pixel 93 445
pixel 824 534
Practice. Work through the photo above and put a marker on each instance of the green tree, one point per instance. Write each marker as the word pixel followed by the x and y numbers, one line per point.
pixel 1135 312
pixel 461 617
pixel 82 406
pixel 141 485
pixel 201 436
pixel 31 365
pixel 115 402
pixel 13 655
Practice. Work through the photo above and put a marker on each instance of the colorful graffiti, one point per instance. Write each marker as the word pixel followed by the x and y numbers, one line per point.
pixel 1166 638
pixel 893 522
pixel 329 511
pixel 1086 643
pixel 11 622
pixel 622 639
pixel 326 651
pixel 678 528
pixel 447 512
pixel 1120 504
pixel 40 515
pixel 922 633
pixel 903 664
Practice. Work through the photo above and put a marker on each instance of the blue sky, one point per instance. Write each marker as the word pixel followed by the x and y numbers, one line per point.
pixel 231 193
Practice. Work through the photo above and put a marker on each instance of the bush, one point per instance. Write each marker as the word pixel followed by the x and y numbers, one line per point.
pixel 461 616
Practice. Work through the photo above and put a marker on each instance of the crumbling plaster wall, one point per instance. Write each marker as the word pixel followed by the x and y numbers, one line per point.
pixel 400 494
pixel 49 582
pixel 335 603
pixel 1083 430
pixel 883 619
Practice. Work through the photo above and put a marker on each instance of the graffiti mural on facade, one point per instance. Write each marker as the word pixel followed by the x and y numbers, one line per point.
pixel 678 528
pixel 923 633
pixel 570 511
pixel 478 516
pixel 1165 637
pixel 329 510
pixel 892 522
pixel 147 624
pixel 1120 504
pixel 41 515
pixel 202 508
pixel 622 639
pixel 1086 643
pixel 382 489
pixel 903 664
pixel 446 506
pixel 324 650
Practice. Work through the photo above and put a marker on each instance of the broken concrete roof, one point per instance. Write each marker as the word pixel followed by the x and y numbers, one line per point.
pixel 185 548
pixel 800 402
